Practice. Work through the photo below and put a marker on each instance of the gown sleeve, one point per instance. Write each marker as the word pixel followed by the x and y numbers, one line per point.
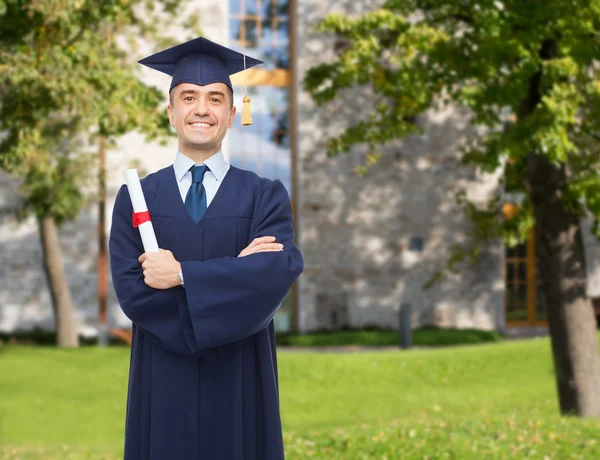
pixel 232 298
pixel 159 313
pixel 224 299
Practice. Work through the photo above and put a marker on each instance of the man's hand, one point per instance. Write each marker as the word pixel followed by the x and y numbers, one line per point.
pixel 160 269
pixel 262 244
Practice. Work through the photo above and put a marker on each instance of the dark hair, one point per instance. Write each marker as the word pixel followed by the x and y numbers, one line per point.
pixel 229 91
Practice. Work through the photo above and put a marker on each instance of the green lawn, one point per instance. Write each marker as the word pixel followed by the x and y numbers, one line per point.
pixel 485 401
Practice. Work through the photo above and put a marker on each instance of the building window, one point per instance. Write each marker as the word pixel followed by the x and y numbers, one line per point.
pixel 260 28
pixel 416 244
pixel 524 297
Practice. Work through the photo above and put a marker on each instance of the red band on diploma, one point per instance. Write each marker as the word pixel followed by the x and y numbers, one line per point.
pixel 138 218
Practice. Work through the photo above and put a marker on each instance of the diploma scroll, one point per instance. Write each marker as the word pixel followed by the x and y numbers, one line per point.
pixel 139 206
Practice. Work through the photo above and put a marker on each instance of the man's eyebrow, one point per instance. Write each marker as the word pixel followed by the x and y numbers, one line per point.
pixel 216 93
pixel 188 91
pixel 197 91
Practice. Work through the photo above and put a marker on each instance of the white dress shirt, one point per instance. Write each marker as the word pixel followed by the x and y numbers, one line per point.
pixel 213 178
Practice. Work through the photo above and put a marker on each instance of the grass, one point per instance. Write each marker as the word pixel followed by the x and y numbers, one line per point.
pixel 485 401
pixel 425 336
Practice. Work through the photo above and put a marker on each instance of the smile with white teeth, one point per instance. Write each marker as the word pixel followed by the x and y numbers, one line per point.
pixel 201 124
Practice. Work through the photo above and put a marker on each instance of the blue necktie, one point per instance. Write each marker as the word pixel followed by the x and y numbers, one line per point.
pixel 195 200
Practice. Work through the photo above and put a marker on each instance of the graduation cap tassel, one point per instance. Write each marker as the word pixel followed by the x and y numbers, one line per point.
pixel 246 113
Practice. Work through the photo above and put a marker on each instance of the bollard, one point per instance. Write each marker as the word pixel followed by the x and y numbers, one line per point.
pixel 405 328
pixel 102 335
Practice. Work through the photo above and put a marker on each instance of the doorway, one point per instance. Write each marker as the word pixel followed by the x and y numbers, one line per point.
pixel 524 300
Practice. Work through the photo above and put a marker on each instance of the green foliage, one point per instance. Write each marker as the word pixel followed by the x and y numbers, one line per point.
pixel 424 336
pixel 413 55
pixel 38 336
pixel 67 77
pixel 54 190
pixel 490 401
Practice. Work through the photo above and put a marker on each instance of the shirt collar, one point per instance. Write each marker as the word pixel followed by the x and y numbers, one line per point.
pixel 216 163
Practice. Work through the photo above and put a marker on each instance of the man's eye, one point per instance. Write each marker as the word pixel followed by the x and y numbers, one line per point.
pixel 188 98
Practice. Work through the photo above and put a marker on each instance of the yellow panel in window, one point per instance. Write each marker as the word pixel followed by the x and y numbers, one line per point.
pixel 262 77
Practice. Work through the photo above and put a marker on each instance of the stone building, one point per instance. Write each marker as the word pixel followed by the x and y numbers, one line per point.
pixel 369 243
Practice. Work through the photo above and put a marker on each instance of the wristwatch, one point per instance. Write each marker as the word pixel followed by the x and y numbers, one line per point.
pixel 180 277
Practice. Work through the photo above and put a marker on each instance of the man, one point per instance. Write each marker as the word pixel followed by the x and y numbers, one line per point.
pixel 203 382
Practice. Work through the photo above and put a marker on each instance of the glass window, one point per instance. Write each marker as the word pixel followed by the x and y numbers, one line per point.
pixel 524 298
pixel 235 7
pixel 259 28
pixel 263 147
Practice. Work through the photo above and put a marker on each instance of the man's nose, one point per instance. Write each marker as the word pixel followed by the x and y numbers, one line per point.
pixel 201 107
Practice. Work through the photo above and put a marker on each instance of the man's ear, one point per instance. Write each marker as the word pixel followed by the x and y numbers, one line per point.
pixel 231 117
pixel 170 114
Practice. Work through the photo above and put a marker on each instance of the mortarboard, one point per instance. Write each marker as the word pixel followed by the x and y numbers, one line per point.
pixel 202 62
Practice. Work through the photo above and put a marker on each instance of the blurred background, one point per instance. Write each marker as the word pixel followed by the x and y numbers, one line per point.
pixel 442 162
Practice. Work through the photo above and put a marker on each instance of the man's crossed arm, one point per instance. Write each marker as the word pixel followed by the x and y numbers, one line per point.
pixel 160 269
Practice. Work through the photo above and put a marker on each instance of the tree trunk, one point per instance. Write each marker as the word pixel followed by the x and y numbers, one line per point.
pixel 102 283
pixel 561 255
pixel 564 277
pixel 66 331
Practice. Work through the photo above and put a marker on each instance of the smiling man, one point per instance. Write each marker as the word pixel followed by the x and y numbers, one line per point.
pixel 203 382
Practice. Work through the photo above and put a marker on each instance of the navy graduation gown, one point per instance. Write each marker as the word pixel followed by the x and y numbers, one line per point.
pixel 203 382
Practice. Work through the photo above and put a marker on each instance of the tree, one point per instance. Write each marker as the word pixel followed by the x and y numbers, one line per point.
pixel 529 73
pixel 67 84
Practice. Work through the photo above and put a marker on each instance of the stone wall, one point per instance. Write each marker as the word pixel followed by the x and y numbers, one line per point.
pixel 371 243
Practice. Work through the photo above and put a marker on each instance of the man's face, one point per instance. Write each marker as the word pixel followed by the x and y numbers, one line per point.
pixel 201 115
